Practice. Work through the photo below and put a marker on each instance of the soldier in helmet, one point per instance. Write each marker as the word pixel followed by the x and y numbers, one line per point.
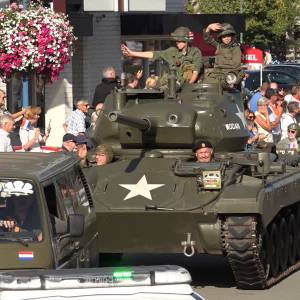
pixel 228 52
pixel 187 60
pixel 292 141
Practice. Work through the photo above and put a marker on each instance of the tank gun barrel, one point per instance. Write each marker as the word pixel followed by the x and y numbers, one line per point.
pixel 142 124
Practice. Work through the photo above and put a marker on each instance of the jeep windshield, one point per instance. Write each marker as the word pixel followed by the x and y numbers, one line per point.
pixel 19 212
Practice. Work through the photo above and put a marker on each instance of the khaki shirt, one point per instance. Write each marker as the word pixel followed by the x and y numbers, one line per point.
pixel 228 57
pixel 182 63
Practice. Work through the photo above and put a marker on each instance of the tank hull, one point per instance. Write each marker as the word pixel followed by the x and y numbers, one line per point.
pixel 158 232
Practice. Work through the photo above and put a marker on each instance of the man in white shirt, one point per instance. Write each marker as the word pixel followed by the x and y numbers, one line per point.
pixel 7 125
pixel 75 123
pixel 294 95
pixel 289 118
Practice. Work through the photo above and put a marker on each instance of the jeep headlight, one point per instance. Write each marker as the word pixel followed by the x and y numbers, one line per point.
pixel 231 79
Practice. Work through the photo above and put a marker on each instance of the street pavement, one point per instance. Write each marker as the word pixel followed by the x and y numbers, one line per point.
pixel 213 279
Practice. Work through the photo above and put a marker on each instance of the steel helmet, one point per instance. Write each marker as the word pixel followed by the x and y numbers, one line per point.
pixel 296 127
pixel 227 29
pixel 182 34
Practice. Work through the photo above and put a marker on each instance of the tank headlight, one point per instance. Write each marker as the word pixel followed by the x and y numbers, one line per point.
pixel 231 78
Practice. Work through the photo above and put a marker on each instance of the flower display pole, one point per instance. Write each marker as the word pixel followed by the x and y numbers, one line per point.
pixel 25 89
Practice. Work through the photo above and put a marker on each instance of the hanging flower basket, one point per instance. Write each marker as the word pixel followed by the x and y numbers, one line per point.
pixel 37 39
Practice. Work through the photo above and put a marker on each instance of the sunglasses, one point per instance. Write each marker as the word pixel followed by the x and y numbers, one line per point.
pixel 292 131
pixel 251 117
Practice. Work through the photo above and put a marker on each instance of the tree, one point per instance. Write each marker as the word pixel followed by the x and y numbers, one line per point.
pixel 267 21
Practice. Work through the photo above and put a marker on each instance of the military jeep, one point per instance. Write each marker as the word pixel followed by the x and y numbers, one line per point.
pixel 47 219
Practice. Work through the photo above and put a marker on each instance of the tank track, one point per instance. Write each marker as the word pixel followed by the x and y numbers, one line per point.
pixel 260 257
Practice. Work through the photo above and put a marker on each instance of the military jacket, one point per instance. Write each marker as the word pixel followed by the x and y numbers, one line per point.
pixel 228 57
pixel 286 144
pixel 184 64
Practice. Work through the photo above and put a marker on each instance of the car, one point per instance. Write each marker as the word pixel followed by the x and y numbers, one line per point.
pixel 47 219
pixel 284 79
pixel 292 69
pixel 164 282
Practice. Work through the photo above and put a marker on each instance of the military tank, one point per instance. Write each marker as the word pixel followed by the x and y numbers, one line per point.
pixel 154 197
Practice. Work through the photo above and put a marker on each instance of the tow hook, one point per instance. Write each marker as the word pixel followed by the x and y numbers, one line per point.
pixel 188 246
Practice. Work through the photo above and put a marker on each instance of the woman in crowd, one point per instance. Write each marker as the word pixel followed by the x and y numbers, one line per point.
pixel 103 155
pixel 263 124
pixel 30 135
pixel 252 129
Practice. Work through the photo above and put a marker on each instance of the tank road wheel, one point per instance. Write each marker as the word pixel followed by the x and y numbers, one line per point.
pixel 283 244
pixel 265 252
pixel 274 253
pixel 292 235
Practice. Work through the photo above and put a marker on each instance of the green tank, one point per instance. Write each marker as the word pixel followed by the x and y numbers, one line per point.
pixel 155 198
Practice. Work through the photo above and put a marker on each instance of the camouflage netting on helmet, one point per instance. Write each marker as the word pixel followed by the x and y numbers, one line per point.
pixel 182 34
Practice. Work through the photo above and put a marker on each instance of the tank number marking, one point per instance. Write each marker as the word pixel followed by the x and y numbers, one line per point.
pixel 232 126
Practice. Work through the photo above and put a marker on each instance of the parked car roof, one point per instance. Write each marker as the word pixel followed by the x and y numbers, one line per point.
pixel 293 69
pixel 284 79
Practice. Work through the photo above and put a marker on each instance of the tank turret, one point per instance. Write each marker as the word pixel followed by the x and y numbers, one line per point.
pixel 171 119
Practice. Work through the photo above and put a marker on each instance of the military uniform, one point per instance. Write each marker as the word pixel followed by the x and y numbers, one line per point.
pixel 184 63
pixel 228 57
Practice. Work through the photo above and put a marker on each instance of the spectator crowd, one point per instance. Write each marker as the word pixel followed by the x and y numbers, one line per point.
pixel 271 114
pixel 272 118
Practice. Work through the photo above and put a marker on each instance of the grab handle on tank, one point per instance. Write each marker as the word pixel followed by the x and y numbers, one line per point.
pixel 188 246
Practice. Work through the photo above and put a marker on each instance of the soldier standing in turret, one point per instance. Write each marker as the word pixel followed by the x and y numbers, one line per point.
pixel 228 52
pixel 185 59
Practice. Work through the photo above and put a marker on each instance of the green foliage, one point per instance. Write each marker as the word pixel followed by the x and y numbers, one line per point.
pixel 213 6
pixel 267 21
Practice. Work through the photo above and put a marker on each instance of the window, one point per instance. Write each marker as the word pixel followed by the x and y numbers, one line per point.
pixel 73 193
pixel 19 205
pixel 281 78
pixel 67 194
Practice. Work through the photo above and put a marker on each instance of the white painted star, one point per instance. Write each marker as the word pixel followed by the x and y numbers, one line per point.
pixel 241 115
pixel 141 188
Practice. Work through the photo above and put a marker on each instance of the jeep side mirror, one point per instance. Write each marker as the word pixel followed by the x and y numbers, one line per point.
pixel 75 226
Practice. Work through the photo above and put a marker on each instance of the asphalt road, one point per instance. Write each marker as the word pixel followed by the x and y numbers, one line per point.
pixel 213 279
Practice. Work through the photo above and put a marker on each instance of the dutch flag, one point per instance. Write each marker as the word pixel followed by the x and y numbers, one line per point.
pixel 26 255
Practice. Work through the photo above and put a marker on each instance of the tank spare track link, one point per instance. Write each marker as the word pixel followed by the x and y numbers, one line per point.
pixel 246 245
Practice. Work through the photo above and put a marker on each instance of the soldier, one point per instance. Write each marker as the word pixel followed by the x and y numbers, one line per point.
pixel 203 151
pixel 186 60
pixel 291 142
pixel 228 52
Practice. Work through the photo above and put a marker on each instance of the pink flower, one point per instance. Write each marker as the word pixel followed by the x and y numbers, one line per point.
pixel 14 6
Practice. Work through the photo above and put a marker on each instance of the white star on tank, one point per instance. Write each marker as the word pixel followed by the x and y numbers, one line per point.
pixel 141 188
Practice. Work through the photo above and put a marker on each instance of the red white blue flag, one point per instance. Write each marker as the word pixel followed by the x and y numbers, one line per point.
pixel 26 255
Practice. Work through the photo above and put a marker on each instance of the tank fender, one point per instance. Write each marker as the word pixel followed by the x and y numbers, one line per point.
pixel 240 198
pixel 278 194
